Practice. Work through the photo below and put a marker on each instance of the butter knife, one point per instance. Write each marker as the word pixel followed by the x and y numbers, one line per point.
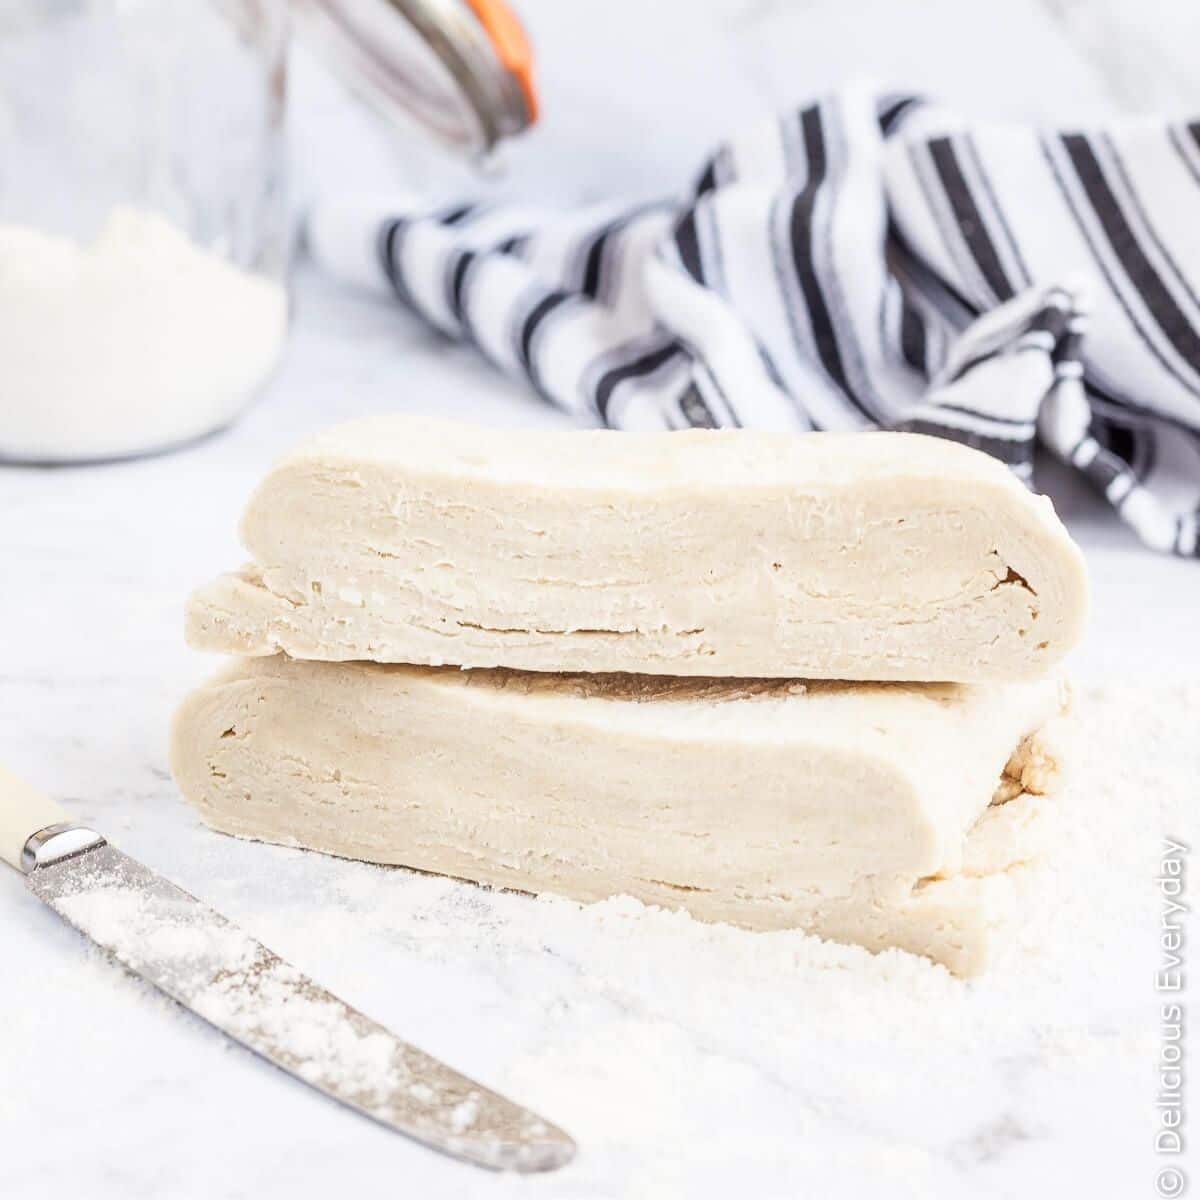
pixel 210 966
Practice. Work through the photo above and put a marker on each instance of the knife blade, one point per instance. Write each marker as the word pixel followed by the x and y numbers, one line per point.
pixel 209 965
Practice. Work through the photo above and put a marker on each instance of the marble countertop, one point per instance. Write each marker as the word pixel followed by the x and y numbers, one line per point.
pixel 107 1092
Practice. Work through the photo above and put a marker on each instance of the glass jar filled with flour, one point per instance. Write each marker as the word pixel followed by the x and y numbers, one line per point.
pixel 144 225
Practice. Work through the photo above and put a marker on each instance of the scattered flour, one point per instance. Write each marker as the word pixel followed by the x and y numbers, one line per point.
pixel 119 917
pixel 659 1030
pixel 137 342
pixel 230 979
pixel 692 1059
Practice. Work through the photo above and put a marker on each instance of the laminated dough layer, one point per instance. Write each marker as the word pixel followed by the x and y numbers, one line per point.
pixel 715 553
pixel 881 814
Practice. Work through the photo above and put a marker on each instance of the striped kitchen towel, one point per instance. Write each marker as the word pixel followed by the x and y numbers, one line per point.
pixel 870 261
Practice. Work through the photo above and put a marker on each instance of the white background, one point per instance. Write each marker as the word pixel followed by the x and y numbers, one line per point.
pixel 104 1093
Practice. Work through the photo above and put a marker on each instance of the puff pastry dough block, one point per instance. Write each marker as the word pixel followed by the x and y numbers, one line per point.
pixel 872 556
pixel 880 814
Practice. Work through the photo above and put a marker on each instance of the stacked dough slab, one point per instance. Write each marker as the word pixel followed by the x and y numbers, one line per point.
pixel 653 626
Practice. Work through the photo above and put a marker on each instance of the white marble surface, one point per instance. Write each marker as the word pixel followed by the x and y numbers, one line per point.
pixel 106 1093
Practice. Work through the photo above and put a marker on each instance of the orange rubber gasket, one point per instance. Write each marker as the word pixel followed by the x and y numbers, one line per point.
pixel 511 44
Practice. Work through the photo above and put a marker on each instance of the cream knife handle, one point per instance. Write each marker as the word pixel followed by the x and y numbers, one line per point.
pixel 24 811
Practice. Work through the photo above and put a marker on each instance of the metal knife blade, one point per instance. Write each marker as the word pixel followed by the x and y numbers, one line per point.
pixel 210 966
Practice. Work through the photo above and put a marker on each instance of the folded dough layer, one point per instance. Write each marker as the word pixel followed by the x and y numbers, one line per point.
pixel 715 553
pixel 857 812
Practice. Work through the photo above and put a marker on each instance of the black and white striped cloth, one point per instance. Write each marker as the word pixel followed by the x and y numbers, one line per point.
pixel 869 261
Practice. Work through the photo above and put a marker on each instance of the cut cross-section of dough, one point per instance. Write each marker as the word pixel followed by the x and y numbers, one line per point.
pixel 880 556
pixel 870 813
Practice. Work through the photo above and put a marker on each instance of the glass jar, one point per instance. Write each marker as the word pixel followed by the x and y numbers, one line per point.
pixel 456 73
pixel 143 224
pixel 144 230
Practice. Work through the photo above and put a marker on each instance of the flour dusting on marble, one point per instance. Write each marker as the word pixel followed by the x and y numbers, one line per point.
pixel 225 976
pixel 630 999
pixel 673 1050
pixel 229 979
